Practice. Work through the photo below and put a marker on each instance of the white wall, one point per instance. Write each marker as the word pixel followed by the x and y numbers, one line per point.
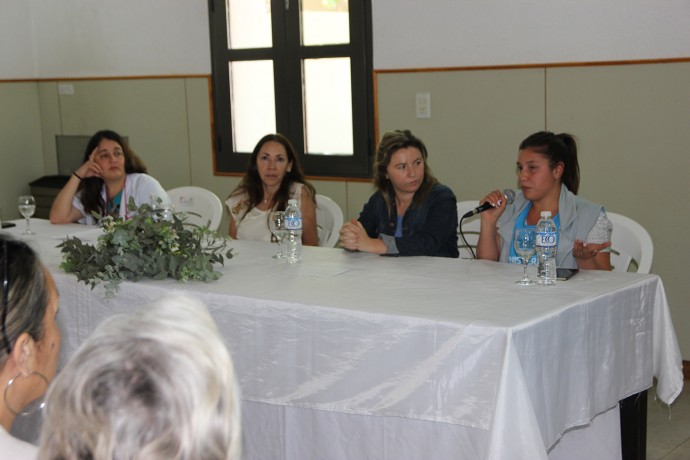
pixel 504 32
pixel 86 38
pixel 75 38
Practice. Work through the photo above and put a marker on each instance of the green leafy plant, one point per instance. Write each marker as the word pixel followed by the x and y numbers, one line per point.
pixel 154 243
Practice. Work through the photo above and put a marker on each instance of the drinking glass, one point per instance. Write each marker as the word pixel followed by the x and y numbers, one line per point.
pixel 27 207
pixel 276 223
pixel 524 241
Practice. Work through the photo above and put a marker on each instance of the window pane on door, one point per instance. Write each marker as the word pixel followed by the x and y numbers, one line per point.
pixel 325 22
pixel 328 106
pixel 249 24
pixel 253 102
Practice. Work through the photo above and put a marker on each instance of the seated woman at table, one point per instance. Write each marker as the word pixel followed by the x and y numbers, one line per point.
pixel 410 214
pixel 29 340
pixel 110 175
pixel 549 177
pixel 157 383
pixel 273 177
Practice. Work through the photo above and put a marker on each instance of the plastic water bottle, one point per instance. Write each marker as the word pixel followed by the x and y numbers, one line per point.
pixel 293 232
pixel 547 243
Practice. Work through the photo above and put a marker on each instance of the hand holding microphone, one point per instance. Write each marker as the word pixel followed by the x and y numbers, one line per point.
pixel 491 201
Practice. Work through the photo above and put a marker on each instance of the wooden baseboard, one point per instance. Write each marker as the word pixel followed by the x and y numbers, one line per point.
pixel 686 370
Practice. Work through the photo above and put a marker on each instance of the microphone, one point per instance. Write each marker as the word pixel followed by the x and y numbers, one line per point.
pixel 507 193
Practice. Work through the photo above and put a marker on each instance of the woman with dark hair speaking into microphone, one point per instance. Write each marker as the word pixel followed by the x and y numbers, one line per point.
pixel 549 177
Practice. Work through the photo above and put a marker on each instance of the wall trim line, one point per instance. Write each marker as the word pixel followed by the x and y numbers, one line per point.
pixel 533 66
pixel 121 77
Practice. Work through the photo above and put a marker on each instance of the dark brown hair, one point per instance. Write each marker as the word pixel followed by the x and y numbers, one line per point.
pixel 91 187
pixel 27 297
pixel 557 148
pixel 251 182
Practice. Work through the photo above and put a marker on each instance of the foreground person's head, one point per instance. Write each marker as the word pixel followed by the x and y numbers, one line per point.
pixel 155 384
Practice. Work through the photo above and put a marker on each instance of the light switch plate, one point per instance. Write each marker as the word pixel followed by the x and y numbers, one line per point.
pixel 423 105
pixel 65 89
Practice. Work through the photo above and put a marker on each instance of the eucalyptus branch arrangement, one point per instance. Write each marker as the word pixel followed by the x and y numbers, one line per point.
pixel 154 243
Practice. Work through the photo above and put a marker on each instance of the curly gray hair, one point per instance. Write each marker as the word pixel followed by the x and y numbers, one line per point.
pixel 158 383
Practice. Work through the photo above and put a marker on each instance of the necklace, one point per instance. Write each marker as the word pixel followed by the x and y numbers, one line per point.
pixel 114 206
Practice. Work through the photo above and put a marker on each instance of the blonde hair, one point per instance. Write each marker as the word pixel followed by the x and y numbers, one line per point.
pixel 155 384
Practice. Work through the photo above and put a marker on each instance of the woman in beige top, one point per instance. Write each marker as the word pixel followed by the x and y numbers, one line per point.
pixel 272 178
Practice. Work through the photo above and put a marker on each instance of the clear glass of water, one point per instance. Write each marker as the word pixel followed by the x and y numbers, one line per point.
pixel 524 241
pixel 27 208
pixel 276 223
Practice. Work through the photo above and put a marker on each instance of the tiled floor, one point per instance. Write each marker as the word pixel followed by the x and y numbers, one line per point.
pixel 668 430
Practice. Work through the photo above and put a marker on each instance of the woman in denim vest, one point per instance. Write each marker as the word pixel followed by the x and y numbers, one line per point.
pixel 410 214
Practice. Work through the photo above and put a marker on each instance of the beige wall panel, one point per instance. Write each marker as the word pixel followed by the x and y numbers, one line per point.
pixel 358 194
pixel 197 93
pixel 223 186
pixel 199 127
pixel 477 120
pixel 21 150
pixel 50 124
pixel 632 123
pixel 151 112
pixel 335 190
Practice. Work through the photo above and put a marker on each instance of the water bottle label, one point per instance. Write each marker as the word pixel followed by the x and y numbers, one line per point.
pixel 546 239
pixel 293 223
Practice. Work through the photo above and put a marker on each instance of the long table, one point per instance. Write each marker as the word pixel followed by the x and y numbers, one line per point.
pixel 357 356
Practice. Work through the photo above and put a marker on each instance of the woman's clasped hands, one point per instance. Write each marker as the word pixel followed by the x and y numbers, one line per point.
pixel 354 237
pixel 350 235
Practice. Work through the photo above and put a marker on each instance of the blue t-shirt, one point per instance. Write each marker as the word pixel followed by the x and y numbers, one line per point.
pixel 521 222
pixel 398 227
pixel 112 207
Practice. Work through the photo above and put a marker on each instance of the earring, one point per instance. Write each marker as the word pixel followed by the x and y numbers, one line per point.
pixel 32 410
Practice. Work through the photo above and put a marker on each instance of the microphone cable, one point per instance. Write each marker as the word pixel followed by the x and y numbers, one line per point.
pixel 462 234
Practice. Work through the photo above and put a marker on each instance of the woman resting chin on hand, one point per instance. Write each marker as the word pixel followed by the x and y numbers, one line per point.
pixel 110 175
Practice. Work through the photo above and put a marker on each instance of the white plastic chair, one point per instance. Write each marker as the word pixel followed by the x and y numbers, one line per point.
pixel 329 219
pixel 470 228
pixel 631 245
pixel 202 206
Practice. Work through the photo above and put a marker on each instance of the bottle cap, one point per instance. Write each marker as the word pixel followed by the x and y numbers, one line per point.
pixel 546 213
pixel 292 201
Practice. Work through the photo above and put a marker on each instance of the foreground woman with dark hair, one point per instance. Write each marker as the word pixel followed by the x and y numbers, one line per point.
pixel 29 339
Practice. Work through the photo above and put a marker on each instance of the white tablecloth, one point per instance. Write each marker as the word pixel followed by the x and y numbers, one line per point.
pixel 356 356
